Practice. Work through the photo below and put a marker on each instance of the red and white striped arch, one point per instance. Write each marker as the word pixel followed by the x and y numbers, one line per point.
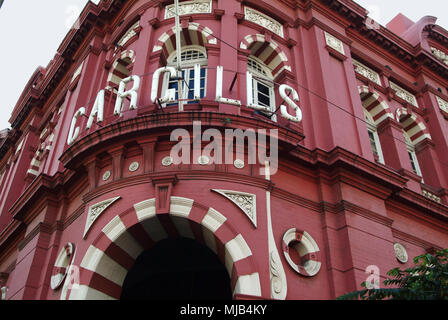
pixel 413 126
pixel 375 105
pixel 43 149
pixel 114 252
pixel 268 52
pixel 192 34
pixel 119 69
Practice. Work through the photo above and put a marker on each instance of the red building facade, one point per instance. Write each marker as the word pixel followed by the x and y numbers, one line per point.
pixel 89 191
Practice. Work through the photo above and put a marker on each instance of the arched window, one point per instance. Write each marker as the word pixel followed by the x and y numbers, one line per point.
pixel 262 87
pixel 374 138
pixel 412 154
pixel 190 56
pixel 121 69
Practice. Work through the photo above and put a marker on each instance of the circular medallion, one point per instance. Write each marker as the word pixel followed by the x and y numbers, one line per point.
pixel 239 164
pixel 401 253
pixel 203 160
pixel 134 166
pixel 61 265
pixel 167 161
pixel 106 175
pixel 306 249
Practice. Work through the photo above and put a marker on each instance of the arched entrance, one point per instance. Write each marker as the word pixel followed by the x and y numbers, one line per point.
pixel 107 262
pixel 177 269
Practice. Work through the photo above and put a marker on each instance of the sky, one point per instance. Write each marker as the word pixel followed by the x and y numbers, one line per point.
pixel 30 38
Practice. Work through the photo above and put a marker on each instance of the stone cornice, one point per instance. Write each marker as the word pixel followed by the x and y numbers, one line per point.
pixel 166 121
pixel 398 234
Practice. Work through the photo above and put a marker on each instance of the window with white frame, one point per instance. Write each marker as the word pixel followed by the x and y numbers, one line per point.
pixel 412 154
pixel 374 138
pixel 190 56
pixel 262 87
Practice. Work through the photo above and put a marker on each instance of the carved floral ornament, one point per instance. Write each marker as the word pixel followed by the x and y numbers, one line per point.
pixel 334 43
pixel 366 72
pixel 404 94
pixel 96 211
pixel 263 20
pixel 189 7
pixel 443 105
pixel 128 35
pixel 440 55
pixel 247 202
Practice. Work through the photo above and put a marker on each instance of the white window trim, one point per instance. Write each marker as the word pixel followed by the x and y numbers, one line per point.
pixel 265 79
pixel 187 65
pixel 372 128
pixel 411 150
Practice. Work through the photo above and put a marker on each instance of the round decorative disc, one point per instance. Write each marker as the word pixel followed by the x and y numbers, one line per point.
pixel 167 161
pixel 203 160
pixel 106 175
pixel 239 164
pixel 401 253
pixel 134 166
pixel 306 248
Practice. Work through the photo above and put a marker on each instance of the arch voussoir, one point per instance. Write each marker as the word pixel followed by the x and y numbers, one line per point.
pixel 112 254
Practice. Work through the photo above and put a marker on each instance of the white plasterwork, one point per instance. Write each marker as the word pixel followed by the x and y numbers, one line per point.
pixel 95 211
pixel 247 202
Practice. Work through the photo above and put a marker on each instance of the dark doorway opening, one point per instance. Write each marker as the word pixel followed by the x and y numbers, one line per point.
pixel 177 269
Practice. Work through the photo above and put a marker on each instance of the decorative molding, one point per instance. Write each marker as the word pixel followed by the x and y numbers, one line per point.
pixel 279 282
pixel 334 43
pixel 401 253
pixel 440 55
pixel 247 202
pixel 95 211
pixel 306 248
pixel 404 94
pixel 263 20
pixel 366 72
pixel 167 161
pixel 77 72
pixel 129 34
pixel 107 175
pixel 431 196
pixel 204 160
pixel 189 7
pixel 443 105
pixel 134 166
pixel 239 164
pixel 276 280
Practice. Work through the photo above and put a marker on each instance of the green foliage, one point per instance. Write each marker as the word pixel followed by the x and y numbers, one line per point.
pixel 427 280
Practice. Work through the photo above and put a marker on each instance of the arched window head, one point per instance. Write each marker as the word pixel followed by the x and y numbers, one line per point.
pixel 121 69
pixel 262 88
pixel 374 138
pixel 258 68
pixel 412 154
pixel 190 56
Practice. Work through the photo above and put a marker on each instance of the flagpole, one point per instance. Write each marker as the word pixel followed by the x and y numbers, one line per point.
pixel 178 53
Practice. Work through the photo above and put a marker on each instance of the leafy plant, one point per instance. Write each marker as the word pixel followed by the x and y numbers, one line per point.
pixel 427 280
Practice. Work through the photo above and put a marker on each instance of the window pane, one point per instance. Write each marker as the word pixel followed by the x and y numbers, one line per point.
pixel 373 143
pixel 411 156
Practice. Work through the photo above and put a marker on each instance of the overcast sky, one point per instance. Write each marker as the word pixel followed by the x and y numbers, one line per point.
pixel 31 31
